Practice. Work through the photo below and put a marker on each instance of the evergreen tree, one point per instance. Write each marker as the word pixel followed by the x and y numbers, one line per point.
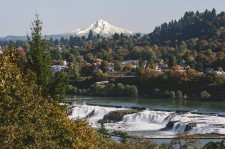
pixel 116 36
pixel 90 35
pixel 59 86
pixel 74 71
pixel 40 62
pixel 39 58
pixel 172 61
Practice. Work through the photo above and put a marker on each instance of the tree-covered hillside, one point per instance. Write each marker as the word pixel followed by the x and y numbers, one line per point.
pixel 206 25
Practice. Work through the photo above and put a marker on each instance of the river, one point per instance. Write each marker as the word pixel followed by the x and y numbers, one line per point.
pixel 160 119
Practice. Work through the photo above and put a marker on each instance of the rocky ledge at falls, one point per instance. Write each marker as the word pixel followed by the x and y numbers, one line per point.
pixel 117 116
pixel 172 125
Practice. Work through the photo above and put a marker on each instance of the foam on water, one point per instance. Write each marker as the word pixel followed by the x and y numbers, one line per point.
pixel 120 126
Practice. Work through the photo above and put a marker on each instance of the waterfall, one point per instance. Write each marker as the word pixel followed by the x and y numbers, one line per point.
pixel 202 129
pixel 207 129
pixel 92 113
pixel 155 117
pixel 147 120
pixel 179 127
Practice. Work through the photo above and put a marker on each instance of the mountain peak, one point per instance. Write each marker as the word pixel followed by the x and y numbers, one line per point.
pixel 102 28
pixel 101 21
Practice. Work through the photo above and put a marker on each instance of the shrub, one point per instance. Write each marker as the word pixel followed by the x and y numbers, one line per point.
pixel 179 94
pixel 205 95
pixel 157 92
pixel 130 91
pixel 75 90
pixel 110 89
pixel 119 89
pixel 113 90
pixel 172 95
pixel 220 79
pixel 166 94
pixel 69 88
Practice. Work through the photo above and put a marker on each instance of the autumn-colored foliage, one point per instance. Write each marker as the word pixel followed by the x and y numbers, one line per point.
pixel 27 120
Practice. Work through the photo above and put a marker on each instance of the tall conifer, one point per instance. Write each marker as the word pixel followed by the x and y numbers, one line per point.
pixel 39 58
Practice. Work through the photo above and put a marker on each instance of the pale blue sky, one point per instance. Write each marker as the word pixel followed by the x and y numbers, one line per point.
pixel 60 16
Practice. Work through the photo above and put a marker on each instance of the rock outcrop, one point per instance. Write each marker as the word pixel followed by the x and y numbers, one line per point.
pixel 169 126
pixel 116 116
pixel 190 126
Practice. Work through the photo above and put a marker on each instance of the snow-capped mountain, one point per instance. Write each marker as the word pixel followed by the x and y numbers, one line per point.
pixel 102 28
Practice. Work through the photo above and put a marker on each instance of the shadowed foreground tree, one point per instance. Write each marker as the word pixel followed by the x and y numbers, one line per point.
pixel 137 143
pixel 215 145
pixel 184 141
pixel 27 120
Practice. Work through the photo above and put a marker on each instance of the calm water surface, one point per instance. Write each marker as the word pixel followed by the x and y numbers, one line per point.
pixel 162 104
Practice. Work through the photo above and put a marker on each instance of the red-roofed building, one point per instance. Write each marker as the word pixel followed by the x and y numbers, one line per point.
pixel 22 52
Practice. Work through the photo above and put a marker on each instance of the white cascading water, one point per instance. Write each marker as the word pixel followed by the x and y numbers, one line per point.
pixel 156 117
pixel 151 120
pixel 204 123
pixel 179 127
pixel 82 111
pixel 145 120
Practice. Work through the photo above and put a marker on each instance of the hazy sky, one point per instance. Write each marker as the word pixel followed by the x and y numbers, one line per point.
pixel 60 16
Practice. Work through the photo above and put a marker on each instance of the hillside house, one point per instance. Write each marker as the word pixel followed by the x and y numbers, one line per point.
pixel 56 68
pixel 183 67
pixel 161 67
pixel 134 63
pixel 219 72
pixel 97 65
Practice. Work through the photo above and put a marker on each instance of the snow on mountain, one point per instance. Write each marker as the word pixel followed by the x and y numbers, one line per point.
pixel 102 28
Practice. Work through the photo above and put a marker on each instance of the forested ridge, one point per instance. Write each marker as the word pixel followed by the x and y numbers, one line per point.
pixel 206 25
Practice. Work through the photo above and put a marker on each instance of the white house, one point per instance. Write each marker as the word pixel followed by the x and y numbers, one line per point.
pixel 64 63
pixel 102 82
pixel 161 67
pixel 219 72
pixel 56 68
